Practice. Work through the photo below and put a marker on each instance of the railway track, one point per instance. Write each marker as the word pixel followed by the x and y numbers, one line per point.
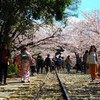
pixel 80 87
pixel 41 87
pixel 15 90
pixel 52 89
pixel 63 88
pixel 47 87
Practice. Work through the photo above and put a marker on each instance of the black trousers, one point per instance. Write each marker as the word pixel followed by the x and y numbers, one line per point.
pixel 38 69
pixel 3 72
pixel 47 68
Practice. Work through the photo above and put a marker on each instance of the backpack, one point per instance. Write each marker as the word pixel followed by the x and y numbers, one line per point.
pixel 59 62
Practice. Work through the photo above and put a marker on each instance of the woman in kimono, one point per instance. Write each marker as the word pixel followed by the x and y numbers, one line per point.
pixel 93 62
pixel 24 61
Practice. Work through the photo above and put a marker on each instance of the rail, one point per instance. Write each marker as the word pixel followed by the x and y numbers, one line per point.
pixel 40 87
pixel 65 93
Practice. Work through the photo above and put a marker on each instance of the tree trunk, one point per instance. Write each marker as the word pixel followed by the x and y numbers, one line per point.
pixel 4 33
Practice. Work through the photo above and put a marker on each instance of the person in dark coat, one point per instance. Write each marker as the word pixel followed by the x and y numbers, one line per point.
pixel 4 58
pixel 78 63
pixel 85 56
pixel 39 64
pixel 47 63
pixel 59 63
pixel 68 63
pixel 33 66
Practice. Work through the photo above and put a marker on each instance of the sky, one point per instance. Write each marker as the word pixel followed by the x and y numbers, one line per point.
pixel 88 6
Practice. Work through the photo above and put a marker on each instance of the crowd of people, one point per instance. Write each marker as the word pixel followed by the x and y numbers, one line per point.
pixel 28 65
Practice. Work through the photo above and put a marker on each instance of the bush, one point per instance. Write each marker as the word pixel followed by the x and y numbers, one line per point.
pixel 12 69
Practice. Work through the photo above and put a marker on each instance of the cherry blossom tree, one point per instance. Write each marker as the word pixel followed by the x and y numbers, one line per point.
pixel 76 37
pixel 87 30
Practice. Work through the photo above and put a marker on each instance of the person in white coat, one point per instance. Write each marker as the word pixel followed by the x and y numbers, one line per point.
pixel 93 62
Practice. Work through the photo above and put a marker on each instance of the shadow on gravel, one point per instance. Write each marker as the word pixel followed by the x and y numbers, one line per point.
pixel 14 82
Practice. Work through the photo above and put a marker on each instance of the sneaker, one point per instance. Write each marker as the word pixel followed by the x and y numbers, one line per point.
pixel 23 81
pixel 28 81
pixel 92 79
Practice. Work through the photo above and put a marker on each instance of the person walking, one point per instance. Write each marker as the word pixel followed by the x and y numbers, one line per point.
pixel 85 56
pixel 39 64
pixel 4 58
pixel 63 63
pixel 59 63
pixel 47 63
pixel 92 62
pixel 33 66
pixel 24 61
pixel 68 63
pixel 78 63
